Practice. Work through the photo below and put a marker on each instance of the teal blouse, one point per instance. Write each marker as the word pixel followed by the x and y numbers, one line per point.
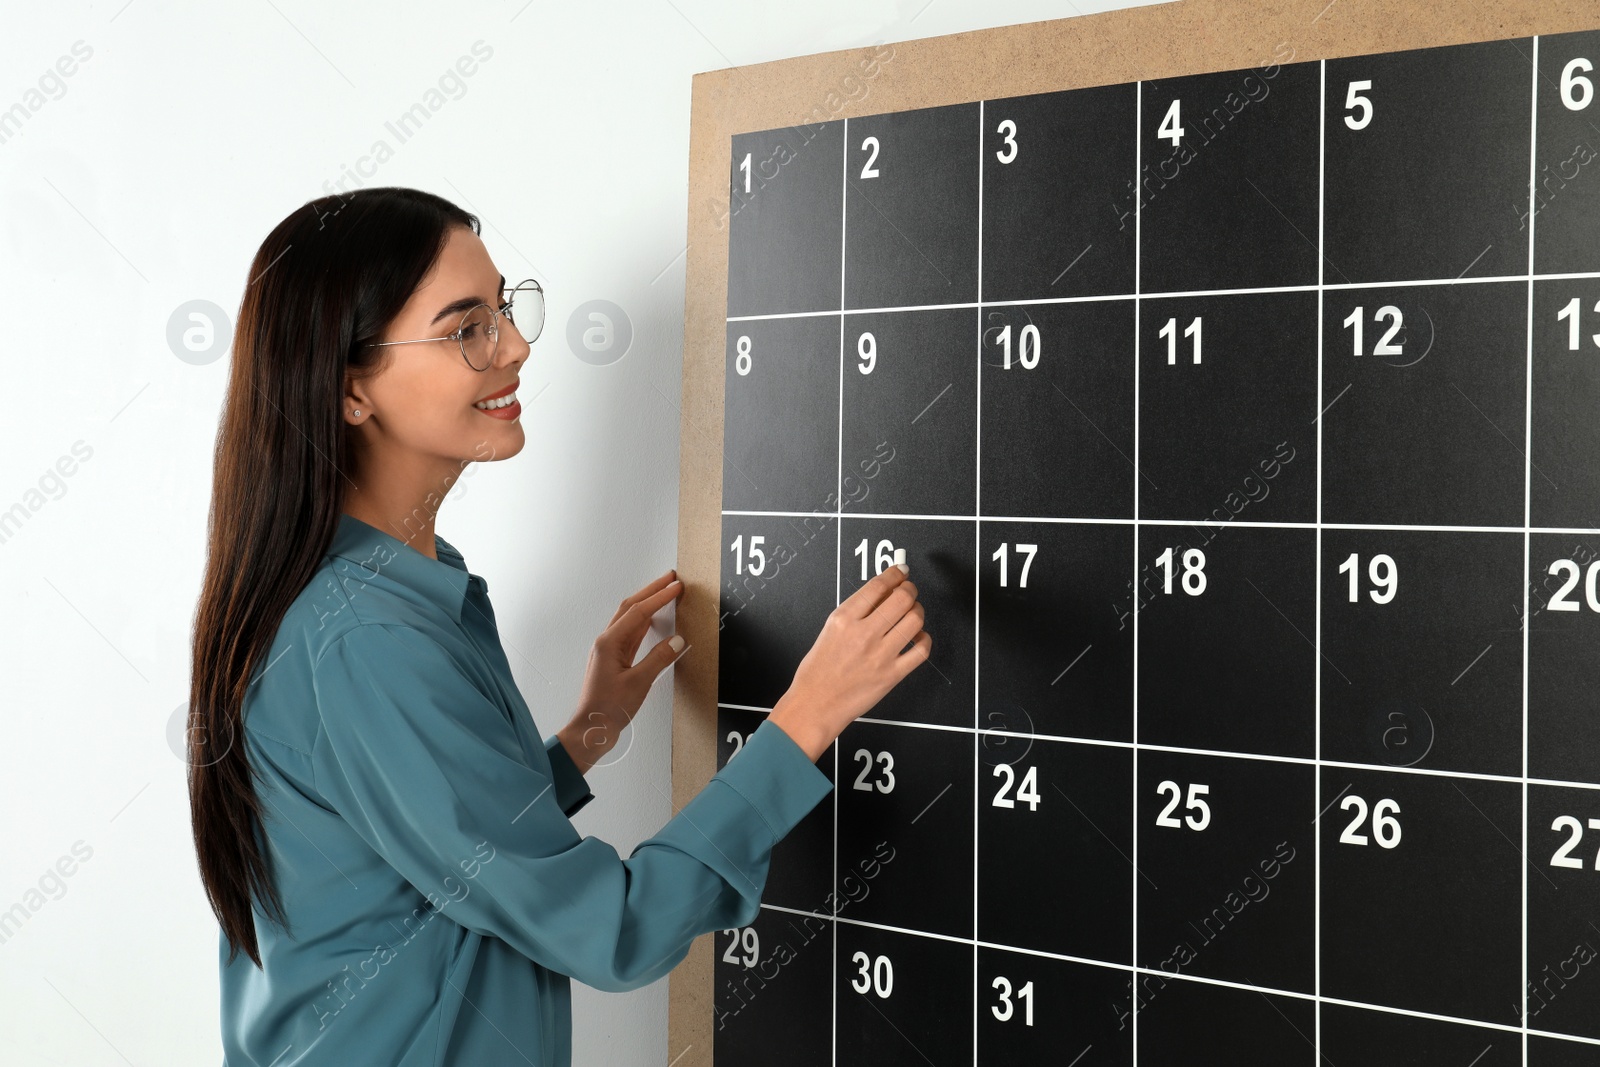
pixel 439 898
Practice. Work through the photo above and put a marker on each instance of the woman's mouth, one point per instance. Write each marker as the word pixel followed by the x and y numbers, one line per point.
pixel 500 407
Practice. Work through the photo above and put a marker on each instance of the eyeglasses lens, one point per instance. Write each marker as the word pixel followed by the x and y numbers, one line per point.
pixel 478 336
pixel 527 311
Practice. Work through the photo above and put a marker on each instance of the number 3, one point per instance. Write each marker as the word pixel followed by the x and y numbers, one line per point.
pixel 1008 129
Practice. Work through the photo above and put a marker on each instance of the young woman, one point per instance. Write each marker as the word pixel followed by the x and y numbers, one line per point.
pixel 379 825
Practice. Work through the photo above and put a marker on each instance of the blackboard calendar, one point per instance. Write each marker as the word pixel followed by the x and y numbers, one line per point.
pixel 1242 431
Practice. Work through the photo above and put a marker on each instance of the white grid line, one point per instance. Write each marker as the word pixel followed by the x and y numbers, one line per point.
pixel 1138 284
pixel 838 565
pixel 977 578
pixel 1574 531
pixel 1527 524
pixel 1517 279
pixel 1316 683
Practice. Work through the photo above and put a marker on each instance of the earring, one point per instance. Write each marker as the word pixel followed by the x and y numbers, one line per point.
pixel 357 412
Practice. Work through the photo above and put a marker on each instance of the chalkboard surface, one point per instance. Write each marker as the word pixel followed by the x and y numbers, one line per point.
pixel 1243 434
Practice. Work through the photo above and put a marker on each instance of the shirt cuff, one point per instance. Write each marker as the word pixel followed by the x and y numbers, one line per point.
pixel 775 776
pixel 572 788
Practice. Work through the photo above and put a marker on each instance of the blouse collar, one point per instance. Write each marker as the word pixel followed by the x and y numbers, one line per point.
pixel 442 581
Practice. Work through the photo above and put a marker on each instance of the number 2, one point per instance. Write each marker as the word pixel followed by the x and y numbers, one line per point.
pixel 869 171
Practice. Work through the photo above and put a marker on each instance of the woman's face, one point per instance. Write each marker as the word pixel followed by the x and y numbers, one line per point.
pixel 420 406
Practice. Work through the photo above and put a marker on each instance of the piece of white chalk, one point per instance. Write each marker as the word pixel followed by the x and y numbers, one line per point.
pixel 899 556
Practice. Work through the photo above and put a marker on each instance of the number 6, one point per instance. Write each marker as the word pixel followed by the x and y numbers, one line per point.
pixel 1576 90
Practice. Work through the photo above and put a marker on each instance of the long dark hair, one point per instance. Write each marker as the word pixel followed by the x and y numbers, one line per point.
pixel 328 277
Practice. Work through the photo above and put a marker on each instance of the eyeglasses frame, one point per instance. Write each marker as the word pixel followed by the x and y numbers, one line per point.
pixel 494 326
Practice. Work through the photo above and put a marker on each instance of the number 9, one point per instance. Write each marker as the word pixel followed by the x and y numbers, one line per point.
pixel 867 349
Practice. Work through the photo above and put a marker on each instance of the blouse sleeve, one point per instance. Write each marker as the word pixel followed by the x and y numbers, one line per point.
pixel 572 788
pixel 429 772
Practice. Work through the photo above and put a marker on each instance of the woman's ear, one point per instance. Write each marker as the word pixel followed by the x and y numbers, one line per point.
pixel 357 405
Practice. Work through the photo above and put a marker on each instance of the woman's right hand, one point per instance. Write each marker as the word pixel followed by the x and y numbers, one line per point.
pixel 855 661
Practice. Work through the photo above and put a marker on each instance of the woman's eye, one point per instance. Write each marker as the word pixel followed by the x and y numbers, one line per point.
pixel 468 332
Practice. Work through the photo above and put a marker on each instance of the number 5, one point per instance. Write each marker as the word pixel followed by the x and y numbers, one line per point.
pixel 1354 100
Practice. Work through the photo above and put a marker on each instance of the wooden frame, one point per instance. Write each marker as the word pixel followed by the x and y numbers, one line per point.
pixel 1180 38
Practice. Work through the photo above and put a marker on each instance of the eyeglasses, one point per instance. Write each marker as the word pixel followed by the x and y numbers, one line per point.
pixel 478 335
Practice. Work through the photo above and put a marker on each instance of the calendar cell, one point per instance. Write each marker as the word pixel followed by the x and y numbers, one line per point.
pixel 1421 892
pixel 1427 160
pixel 1565 206
pixel 1227 183
pixel 1225 868
pixel 773 981
pixel 1227 403
pixel 778 574
pixel 800 874
pixel 1422 649
pixel 1055 629
pixel 939 553
pixel 1563 904
pixel 1381 1038
pixel 910 385
pixel 1227 623
pixel 1058 210
pixel 1055 850
pixel 905 797
pixel 1424 393
pixel 911 207
pixel 781 415
pixel 785 217
pixel 1563 623
pixel 1057 399
pixel 1564 480
pixel 1550 1052
pixel 897 1000
pixel 1034 1009
pixel 1183 1022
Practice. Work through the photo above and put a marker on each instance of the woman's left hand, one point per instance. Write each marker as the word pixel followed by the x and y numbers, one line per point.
pixel 614 686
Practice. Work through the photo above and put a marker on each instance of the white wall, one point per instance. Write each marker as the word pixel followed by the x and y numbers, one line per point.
pixel 145 180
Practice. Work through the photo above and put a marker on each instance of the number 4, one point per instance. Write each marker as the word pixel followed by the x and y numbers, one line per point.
pixel 1171 129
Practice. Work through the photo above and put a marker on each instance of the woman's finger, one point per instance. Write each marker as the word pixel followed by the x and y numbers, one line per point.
pixel 864 601
pixel 627 629
pixel 629 601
